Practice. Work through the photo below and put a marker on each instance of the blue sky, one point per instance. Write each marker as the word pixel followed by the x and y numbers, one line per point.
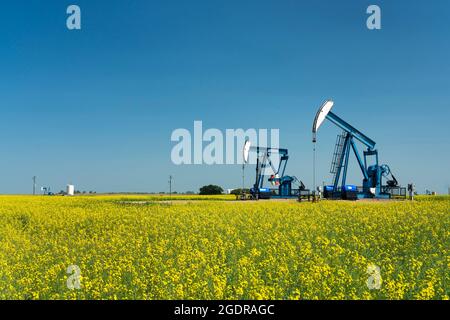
pixel 96 107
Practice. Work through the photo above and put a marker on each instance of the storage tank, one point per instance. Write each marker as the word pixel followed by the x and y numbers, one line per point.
pixel 70 190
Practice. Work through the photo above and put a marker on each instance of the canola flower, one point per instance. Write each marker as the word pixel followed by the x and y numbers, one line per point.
pixel 144 247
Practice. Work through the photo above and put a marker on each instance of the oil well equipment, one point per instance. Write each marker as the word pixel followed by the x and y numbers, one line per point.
pixel 373 173
pixel 282 186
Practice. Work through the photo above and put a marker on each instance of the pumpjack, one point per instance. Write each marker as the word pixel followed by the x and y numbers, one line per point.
pixel 373 174
pixel 283 186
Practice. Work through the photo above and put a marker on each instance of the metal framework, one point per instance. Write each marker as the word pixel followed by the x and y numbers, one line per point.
pixel 278 178
pixel 372 173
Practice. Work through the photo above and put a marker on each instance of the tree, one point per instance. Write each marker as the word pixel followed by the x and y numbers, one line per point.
pixel 210 189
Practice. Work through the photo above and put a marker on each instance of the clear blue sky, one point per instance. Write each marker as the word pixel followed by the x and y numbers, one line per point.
pixel 96 107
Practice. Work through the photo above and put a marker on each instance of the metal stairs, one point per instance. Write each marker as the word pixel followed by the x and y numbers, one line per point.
pixel 338 154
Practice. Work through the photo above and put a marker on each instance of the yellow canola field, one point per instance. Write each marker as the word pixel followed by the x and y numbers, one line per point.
pixel 126 248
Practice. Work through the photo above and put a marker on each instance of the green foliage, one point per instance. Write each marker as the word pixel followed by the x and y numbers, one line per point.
pixel 210 190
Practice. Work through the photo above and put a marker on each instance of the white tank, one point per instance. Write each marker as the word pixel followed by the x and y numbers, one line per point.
pixel 70 189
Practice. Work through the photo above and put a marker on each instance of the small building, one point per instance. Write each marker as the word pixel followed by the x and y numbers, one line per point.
pixel 70 191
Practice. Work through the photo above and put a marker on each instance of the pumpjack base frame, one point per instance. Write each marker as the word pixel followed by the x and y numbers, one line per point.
pixel 359 196
pixel 301 195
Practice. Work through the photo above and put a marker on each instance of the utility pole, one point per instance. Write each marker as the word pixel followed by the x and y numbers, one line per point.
pixel 170 185
pixel 34 185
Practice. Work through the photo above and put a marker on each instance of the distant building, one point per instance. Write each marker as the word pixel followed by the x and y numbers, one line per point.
pixel 70 190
